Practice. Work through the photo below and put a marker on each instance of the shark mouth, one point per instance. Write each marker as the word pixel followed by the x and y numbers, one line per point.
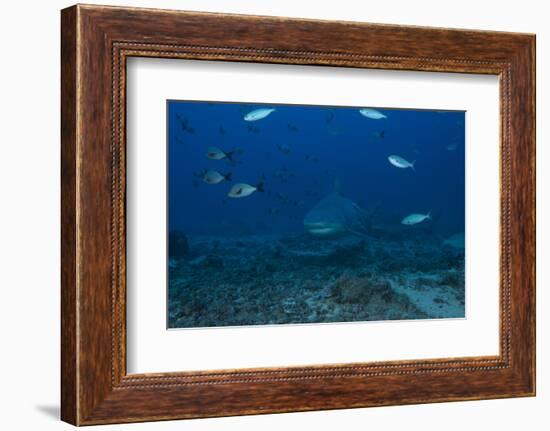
pixel 323 228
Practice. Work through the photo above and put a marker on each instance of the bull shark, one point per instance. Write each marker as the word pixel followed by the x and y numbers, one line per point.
pixel 335 215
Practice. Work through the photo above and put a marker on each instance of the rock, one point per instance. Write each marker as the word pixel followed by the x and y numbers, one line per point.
pixel 177 244
pixel 354 290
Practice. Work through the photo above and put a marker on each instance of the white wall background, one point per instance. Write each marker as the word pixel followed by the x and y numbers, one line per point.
pixel 29 215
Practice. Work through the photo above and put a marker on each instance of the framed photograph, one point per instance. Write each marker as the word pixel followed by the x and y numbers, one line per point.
pixel 286 220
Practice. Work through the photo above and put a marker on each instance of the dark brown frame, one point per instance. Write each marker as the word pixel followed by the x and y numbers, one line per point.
pixel 95 42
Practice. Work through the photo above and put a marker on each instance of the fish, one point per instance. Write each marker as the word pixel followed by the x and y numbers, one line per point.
pixel 414 218
pixel 283 174
pixel 452 147
pixel 214 177
pixel 283 148
pixel 221 130
pixel 252 129
pixel 184 124
pixel 456 240
pixel 335 215
pixel 379 135
pixel 334 130
pixel 400 162
pixel 312 158
pixel 242 190
pixel 292 127
pixel 258 114
pixel 373 114
pixel 282 197
pixel 215 153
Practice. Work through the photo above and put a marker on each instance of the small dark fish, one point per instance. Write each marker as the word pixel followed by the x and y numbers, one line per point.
pixel 281 197
pixel 379 135
pixel 283 148
pixel 253 129
pixel 222 130
pixel 184 124
pixel 314 159
pixel 334 130
pixel 292 128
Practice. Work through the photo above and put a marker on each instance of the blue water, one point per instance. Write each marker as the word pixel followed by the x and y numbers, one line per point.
pixel 299 154
pixel 347 148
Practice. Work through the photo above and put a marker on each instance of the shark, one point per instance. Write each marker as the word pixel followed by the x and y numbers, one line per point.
pixel 336 215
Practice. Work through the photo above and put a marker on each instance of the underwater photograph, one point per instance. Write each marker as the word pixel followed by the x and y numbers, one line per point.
pixel 307 214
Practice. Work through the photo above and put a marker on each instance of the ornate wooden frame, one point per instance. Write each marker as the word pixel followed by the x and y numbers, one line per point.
pixel 95 42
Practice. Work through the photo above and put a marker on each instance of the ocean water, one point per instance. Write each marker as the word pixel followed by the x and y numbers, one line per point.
pixel 301 216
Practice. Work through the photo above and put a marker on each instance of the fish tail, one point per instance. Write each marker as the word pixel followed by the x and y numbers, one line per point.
pixel 412 165
pixel 260 187
pixel 227 176
pixel 230 154
pixel 429 215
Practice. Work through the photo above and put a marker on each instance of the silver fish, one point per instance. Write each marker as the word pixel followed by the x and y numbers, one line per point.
pixel 215 153
pixel 258 114
pixel 242 190
pixel 400 162
pixel 373 114
pixel 214 177
pixel 416 218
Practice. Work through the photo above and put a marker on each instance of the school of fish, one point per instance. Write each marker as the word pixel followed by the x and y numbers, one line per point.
pixel 333 214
